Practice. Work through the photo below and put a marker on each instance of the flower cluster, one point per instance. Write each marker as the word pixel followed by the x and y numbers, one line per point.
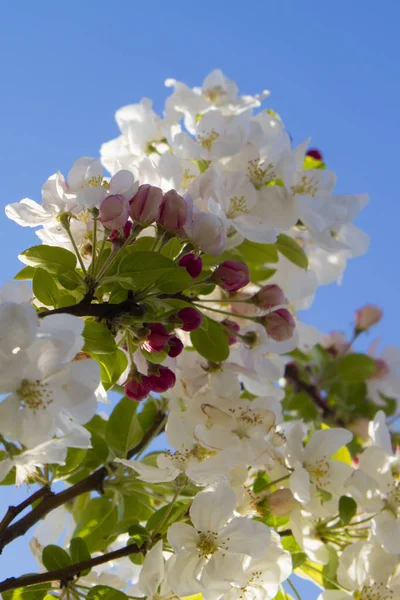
pixel 178 280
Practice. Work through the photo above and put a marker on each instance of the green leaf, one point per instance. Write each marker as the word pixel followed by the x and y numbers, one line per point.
pixel 171 516
pixel 123 430
pixel 26 273
pixel 148 414
pixel 45 288
pixel 33 592
pixel 52 258
pixel 70 280
pixel 172 247
pixel 258 254
pixel 98 454
pixel 75 457
pixel 292 251
pixel 98 338
pixel 298 558
pixel 104 592
pixel 330 569
pixel 54 557
pixel 79 552
pixel 140 269
pixel 211 341
pixel 355 368
pixel 111 367
pixel 347 509
pixel 138 535
pixel 174 281
pixel 96 523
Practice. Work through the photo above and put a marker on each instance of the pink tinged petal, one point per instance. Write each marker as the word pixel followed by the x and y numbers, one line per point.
pixel 149 473
pixel 123 182
pixel 211 510
pixel 181 535
pixel 245 536
pixel 152 572
pixel 386 529
pixel 28 213
pixel 326 442
pixel 299 484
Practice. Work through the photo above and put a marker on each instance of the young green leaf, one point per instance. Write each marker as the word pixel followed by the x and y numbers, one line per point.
pixel 98 338
pixel 45 288
pixel 52 258
pixel 292 251
pixel 347 509
pixel 54 557
pixel 355 368
pixel 123 430
pixel 211 341
pixel 79 552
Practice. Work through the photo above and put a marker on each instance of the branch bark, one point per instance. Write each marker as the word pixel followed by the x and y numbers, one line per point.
pixel 101 311
pixel 93 482
pixel 66 574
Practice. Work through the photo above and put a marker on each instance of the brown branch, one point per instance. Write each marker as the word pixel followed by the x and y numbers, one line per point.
pixel 292 376
pixel 67 574
pixel 93 482
pixel 101 311
pixel 14 511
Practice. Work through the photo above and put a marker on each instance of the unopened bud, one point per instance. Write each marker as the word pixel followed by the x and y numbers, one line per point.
pixel 314 153
pixel 157 338
pixel 279 324
pixel 231 275
pixel 173 211
pixel 175 346
pixel 190 319
pixel 281 502
pixel 145 204
pixel 192 263
pixel 162 381
pixel 137 387
pixel 114 211
pixel 367 316
pixel 231 327
pixel 269 297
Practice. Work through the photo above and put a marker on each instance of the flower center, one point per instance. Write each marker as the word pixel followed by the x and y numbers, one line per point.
pixel 319 471
pixel 258 175
pixel 187 178
pixel 207 543
pixel 376 591
pixel 215 93
pixel 307 186
pixel 34 394
pixel 98 181
pixel 208 141
pixel 237 207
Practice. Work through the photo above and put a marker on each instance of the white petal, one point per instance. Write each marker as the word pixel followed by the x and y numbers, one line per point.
pixel 245 536
pixel 181 535
pixel 326 442
pixel 28 213
pixel 386 529
pixel 211 510
pixel 299 484
pixel 152 573
pixel 149 473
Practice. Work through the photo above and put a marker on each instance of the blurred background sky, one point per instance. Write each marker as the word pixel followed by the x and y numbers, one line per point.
pixel 333 71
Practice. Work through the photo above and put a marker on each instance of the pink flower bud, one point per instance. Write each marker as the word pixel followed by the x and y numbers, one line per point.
pixel 137 387
pixel 281 502
pixel 382 369
pixel 279 324
pixel 145 204
pixel 173 211
pixel 175 346
pixel 191 319
pixel 117 238
pixel 209 233
pixel 336 343
pixel 231 275
pixel 192 263
pixel 157 338
pixel 367 316
pixel 269 296
pixel 163 381
pixel 231 327
pixel 114 212
pixel 314 153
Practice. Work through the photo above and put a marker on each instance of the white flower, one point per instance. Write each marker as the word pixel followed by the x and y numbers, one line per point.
pixel 215 535
pixel 47 383
pixel 313 468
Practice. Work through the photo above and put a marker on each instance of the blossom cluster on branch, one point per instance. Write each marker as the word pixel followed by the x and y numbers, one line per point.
pixel 176 282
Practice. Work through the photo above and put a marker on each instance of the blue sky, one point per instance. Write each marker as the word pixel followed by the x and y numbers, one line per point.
pixel 332 68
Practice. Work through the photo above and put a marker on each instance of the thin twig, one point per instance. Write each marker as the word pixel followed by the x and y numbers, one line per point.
pixel 93 482
pixel 67 574
pixel 14 511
